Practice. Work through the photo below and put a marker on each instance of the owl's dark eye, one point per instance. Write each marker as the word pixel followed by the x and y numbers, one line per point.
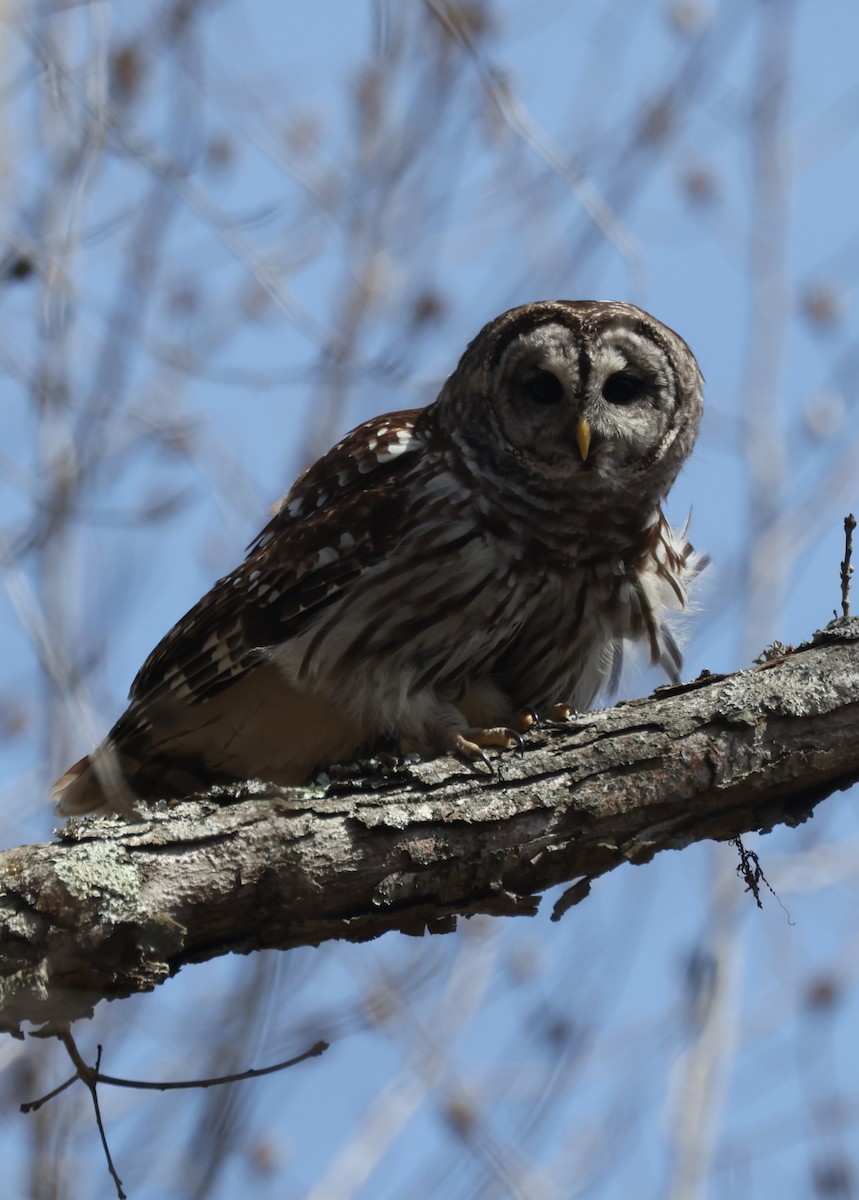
pixel 622 388
pixel 541 388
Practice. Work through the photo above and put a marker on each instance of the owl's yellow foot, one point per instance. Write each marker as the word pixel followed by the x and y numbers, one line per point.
pixel 525 720
pixel 559 713
pixel 473 744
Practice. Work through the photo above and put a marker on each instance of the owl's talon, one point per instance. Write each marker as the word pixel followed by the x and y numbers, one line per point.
pixel 559 714
pixel 518 741
pixel 484 758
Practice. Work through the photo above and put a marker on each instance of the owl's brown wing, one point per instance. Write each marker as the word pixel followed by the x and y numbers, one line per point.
pixel 338 519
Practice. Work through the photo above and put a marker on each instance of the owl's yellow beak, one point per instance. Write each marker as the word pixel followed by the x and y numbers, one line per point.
pixel 583 437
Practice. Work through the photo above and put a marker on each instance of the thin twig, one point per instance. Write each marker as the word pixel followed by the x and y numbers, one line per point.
pixel 94 1093
pixel 253 1073
pixel 34 1105
pixel 846 568
pixel 91 1077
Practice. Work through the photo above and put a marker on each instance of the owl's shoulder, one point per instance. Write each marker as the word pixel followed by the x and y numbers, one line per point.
pixel 337 520
pixel 365 461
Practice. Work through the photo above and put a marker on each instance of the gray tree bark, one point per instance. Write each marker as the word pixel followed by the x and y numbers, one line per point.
pixel 113 908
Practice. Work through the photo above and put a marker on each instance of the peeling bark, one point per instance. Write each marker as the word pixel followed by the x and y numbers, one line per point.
pixel 114 908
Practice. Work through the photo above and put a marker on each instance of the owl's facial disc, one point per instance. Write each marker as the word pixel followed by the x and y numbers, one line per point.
pixel 584 399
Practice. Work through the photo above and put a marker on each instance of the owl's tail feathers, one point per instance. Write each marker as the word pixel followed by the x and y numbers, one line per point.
pixel 95 784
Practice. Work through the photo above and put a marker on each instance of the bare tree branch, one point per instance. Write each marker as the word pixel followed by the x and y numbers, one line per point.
pixel 114 908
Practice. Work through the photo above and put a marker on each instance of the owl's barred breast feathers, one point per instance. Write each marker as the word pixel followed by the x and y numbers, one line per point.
pixel 439 571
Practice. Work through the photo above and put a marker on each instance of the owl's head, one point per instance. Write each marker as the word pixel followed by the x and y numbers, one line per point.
pixel 598 391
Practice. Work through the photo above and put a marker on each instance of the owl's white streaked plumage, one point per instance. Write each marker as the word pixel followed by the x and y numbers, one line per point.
pixel 437 572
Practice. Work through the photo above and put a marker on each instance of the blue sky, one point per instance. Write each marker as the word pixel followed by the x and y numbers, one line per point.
pixel 736 227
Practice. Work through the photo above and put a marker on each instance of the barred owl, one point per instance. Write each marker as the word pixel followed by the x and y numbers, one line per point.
pixel 435 574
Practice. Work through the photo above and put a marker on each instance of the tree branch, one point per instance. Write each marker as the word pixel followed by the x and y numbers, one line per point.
pixel 114 908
